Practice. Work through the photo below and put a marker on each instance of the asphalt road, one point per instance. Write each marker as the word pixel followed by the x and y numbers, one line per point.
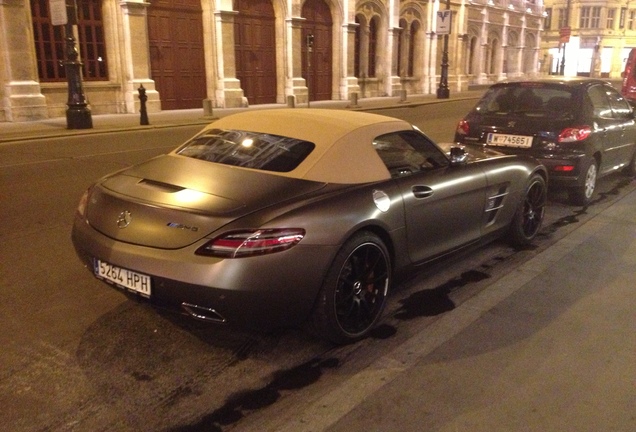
pixel 78 355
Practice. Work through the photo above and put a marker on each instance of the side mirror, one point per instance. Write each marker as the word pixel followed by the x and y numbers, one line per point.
pixel 458 155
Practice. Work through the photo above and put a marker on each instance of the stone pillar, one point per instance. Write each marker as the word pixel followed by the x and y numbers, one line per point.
pixel 483 60
pixel 349 83
pixel 295 84
pixel 22 99
pixel 136 57
pixel 393 84
pixel 504 68
pixel 229 93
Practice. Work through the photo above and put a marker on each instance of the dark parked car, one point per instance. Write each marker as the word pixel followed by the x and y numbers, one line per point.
pixel 580 129
pixel 276 217
pixel 628 87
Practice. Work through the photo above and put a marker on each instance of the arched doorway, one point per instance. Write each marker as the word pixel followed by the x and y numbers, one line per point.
pixel 177 64
pixel 317 59
pixel 255 49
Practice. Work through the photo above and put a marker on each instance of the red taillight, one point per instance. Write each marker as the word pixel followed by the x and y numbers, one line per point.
pixel 81 207
pixel 463 127
pixel 239 244
pixel 574 134
pixel 564 168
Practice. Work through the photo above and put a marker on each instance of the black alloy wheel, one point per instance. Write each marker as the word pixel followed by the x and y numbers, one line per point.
pixel 355 290
pixel 529 217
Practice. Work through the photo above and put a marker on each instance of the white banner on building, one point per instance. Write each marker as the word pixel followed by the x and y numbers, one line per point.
pixel 58 12
pixel 443 22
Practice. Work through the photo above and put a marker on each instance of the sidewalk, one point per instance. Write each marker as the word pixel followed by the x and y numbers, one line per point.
pixel 549 347
pixel 103 123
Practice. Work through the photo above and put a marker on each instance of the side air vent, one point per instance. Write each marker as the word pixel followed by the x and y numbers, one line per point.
pixel 495 202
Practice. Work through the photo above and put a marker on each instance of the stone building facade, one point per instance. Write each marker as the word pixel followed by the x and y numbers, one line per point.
pixel 234 53
pixel 588 37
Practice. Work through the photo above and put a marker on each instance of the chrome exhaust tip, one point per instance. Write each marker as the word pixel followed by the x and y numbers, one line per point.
pixel 203 313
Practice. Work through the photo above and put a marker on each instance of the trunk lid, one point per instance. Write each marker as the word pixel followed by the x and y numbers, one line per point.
pixel 172 201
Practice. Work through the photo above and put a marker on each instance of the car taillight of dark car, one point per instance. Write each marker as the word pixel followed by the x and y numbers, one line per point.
pixel 574 134
pixel 463 128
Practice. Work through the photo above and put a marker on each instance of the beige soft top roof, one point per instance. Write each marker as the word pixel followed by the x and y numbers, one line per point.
pixel 344 150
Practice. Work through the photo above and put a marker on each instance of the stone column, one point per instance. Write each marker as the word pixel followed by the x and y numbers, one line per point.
pixel 137 57
pixel 483 60
pixel 229 93
pixel 504 68
pixel 22 99
pixel 393 83
pixel 295 84
pixel 349 83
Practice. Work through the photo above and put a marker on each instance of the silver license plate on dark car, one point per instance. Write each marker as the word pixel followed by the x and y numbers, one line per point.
pixel 519 141
pixel 123 278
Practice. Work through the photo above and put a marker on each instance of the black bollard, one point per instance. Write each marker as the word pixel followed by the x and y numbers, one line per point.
pixel 142 107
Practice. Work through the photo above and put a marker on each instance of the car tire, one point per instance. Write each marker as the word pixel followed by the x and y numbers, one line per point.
pixel 630 169
pixel 529 215
pixel 354 293
pixel 581 195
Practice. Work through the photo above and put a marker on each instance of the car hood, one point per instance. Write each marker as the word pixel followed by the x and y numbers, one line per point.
pixel 173 201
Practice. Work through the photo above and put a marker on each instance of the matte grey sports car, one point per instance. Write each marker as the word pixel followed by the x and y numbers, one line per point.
pixel 286 216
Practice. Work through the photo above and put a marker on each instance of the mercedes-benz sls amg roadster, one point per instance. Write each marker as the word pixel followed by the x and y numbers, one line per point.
pixel 289 217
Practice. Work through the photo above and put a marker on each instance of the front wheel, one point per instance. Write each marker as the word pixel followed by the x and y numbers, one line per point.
pixel 529 216
pixel 582 194
pixel 354 292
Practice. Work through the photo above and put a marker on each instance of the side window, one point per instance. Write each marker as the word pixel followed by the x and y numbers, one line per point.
pixel 408 152
pixel 600 102
pixel 620 107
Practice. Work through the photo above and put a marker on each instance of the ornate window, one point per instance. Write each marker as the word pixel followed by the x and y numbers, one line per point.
pixel 50 42
pixel 611 14
pixel 373 45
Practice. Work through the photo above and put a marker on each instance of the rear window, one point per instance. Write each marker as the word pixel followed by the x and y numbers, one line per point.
pixel 531 101
pixel 248 149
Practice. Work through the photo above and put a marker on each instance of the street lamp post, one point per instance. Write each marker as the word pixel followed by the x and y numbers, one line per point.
pixel 442 91
pixel 78 115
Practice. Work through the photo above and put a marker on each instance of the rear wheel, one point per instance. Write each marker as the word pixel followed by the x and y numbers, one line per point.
pixel 582 194
pixel 354 293
pixel 529 216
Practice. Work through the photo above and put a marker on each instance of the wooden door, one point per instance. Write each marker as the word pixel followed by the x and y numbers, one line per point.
pixel 175 32
pixel 255 49
pixel 317 60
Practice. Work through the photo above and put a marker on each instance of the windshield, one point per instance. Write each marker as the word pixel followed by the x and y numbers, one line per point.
pixel 531 101
pixel 248 149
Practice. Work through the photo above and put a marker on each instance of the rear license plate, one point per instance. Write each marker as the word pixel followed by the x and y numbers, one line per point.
pixel 122 277
pixel 520 141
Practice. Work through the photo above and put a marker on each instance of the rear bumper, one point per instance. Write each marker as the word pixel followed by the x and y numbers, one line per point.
pixel 556 174
pixel 261 292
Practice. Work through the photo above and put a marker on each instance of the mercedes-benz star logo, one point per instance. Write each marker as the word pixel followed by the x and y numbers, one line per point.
pixel 124 218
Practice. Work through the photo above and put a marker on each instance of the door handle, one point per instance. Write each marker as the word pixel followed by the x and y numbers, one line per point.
pixel 422 191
